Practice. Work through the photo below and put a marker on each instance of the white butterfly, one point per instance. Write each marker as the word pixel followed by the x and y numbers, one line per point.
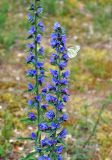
pixel 73 51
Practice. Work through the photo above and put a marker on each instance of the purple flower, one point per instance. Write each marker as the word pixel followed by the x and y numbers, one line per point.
pixel 40 79
pixel 51 88
pixel 41 26
pixel 59 149
pixel 62 134
pixel 30 86
pixel 64 117
pixel 42 71
pixel 31 46
pixel 62 49
pixel 59 157
pixel 44 90
pixel 53 43
pixel 31 31
pixel 40 65
pixel 30 102
pixel 51 99
pixel 50 114
pixel 65 74
pixel 65 98
pixel 30 58
pixel 38 98
pixel 44 106
pixel 62 65
pixel 53 58
pixel 31 72
pixel 41 51
pixel 65 57
pixel 63 38
pixel 56 26
pixel 43 126
pixel 44 157
pixel 63 82
pixel 59 106
pixel 33 136
pixel 31 116
pixel 38 38
pixel 54 73
pixel 39 10
pixel 47 142
pixel 30 17
pixel 54 125
pixel 64 91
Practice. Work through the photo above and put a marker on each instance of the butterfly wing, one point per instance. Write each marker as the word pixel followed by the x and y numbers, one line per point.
pixel 72 52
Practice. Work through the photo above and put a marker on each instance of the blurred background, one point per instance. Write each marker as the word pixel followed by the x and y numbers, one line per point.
pixel 88 23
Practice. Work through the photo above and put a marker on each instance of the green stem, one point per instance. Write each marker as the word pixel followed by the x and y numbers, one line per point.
pixel 36 77
pixel 58 97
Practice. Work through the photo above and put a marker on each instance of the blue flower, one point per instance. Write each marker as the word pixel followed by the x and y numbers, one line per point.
pixel 65 98
pixel 47 142
pixel 64 117
pixel 31 46
pixel 30 102
pixel 31 31
pixel 50 114
pixel 40 79
pixel 38 98
pixel 33 136
pixel 31 72
pixel 65 74
pixel 44 90
pixel 41 51
pixel 38 38
pixel 62 134
pixel 59 149
pixel 31 116
pixel 62 49
pixel 30 86
pixel 56 26
pixel 42 71
pixel 44 157
pixel 54 73
pixel 54 125
pixel 59 106
pixel 53 58
pixel 59 157
pixel 39 10
pixel 30 17
pixel 51 99
pixel 65 57
pixel 41 26
pixel 63 82
pixel 44 106
pixel 40 65
pixel 30 58
pixel 43 126
pixel 64 91
pixel 63 38
pixel 53 43
pixel 51 87
pixel 62 65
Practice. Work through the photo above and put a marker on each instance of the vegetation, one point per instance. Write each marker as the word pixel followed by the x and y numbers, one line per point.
pixel 88 24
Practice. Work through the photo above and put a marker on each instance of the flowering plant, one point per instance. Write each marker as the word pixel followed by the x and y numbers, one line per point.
pixel 47 103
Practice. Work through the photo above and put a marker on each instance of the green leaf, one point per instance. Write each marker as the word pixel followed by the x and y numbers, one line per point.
pixel 24 138
pixel 29 156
